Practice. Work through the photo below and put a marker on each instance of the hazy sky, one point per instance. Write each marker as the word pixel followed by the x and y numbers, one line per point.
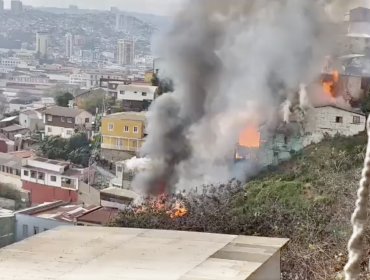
pixel 162 7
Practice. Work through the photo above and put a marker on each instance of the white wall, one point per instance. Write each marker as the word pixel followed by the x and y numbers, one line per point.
pixel 80 119
pixel 32 222
pixel 59 131
pixel 321 121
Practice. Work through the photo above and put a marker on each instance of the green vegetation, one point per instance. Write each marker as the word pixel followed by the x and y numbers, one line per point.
pixel 62 99
pixel 8 192
pixel 77 149
pixel 308 199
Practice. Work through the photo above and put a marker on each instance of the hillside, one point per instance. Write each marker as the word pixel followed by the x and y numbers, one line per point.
pixel 308 199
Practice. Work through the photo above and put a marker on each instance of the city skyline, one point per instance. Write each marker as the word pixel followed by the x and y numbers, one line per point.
pixel 162 7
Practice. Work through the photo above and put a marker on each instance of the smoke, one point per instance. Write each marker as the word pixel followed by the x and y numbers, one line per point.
pixel 233 63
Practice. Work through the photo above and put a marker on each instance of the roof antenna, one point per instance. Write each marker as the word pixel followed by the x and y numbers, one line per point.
pixel 352 269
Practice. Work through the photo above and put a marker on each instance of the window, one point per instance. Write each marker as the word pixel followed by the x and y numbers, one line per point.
pixel 110 127
pixel 122 92
pixel 127 129
pixel 33 174
pixel 285 140
pixel 25 230
pixel 119 169
pixel 17 172
pixel 87 120
pixel 69 120
pixel 143 94
pixel 53 178
pixel 25 173
pixel 120 143
pixel 69 132
pixel 62 119
pixel 356 119
pixel 339 119
pixel 36 230
pixel 41 176
pixel 49 129
pixel 136 129
pixel 50 118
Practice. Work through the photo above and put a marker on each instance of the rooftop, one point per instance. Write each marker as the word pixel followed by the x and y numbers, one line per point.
pixel 10 160
pixel 63 111
pixel 99 216
pixel 140 116
pixel 118 192
pixel 137 254
pixel 14 127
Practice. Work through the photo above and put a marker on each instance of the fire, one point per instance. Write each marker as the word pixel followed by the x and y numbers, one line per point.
pixel 250 137
pixel 329 86
pixel 178 211
pixel 162 204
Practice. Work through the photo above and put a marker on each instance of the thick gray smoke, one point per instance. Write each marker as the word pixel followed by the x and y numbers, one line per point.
pixel 233 63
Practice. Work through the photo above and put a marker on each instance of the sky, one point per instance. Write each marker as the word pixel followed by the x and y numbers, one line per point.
pixel 158 7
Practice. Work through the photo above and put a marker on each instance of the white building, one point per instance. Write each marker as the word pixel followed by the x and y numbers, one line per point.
pixel 42 44
pixel 16 6
pixel 10 62
pixel 136 92
pixel 69 45
pixel 126 52
pixel 359 30
pixel 31 119
pixel 65 122
pixel 51 173
pixel 332 121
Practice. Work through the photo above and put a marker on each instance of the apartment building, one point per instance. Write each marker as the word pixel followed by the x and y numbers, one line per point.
pixel 51 180
pixel 136 97
pixel 65 122
pixel 123 134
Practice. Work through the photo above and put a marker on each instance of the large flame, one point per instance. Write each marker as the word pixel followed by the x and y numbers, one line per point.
pixel 329 86
pixel 162 204
pixel 250 137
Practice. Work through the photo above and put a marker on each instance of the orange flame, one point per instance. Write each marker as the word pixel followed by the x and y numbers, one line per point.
pixel 178 211
pixel 329 86
pixel 161 205
pixel 250 137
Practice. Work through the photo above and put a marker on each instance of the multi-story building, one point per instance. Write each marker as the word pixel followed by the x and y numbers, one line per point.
pixel 16 6
pixel 51 180
pixel 123 134
pixel 136 97
pixel 10 62
pixel 69 45
pixel 358 37
pixel 1 6
pixel 42 44
pixel 126 52
pixel 65 122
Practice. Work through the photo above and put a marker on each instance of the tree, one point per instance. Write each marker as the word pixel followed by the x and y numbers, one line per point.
pixel 63 99
pixel 93 101
pixel 365 105
pixel 77 149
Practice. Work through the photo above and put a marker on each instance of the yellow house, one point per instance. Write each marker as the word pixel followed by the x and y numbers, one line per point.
pixel 123 131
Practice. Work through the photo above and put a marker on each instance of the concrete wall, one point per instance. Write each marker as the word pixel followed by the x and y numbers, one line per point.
pixel 32 124
pixel 26 225
pixel 321 121
pixel 268 271
pixel 116 155
pixel 7 230
pixel 59 131
pixel 82 118
pixel 10 179
pixel 88 195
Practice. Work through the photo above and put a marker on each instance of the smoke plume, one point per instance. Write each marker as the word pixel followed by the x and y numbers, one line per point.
pixel 233 63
